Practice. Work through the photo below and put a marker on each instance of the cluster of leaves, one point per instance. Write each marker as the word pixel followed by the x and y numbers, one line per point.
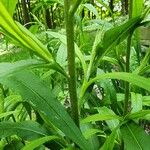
pixel 34 101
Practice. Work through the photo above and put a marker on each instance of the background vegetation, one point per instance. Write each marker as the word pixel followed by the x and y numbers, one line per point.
pixel 74 74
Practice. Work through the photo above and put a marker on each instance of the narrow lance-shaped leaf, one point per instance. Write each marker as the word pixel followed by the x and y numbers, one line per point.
pixel 137 7
pixel 7 68
pixel 2 115
pixel 135 137
pixel 113 123
pixel 110 141
pixel 129 77
pixel 99 117
pixel 117 34
pixel 79 54
pixel 10 5
pixel 139 115
pixel 28 130
pixel 34 144
pixel 22 35
pixel 41 98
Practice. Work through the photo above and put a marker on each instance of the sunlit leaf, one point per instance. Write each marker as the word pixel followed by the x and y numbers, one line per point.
pixel 137 7
pixel 2 115
pixel 99 117
pixel 20 34
pixel 10 5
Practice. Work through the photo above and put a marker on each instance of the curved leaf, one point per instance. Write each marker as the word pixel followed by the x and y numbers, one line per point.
pixel 34 144
pixel 129 77
pixel 99 117
pixel 110 141
pixel 10 5
pixel 79 54
pixel 106 111
pixel 27 130
pixel 42 99
pixel 139 115
pixel 22 35
pixel 117 34
pixel 7 68
pixel 2 115
pixel 135 137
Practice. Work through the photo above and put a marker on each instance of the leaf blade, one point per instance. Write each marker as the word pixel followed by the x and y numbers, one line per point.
pixel 28 130
pixel 41 98
pixel 135 137
pixel 34 144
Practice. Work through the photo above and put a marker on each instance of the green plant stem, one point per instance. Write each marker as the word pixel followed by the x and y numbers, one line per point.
pixel 127 85
pixel 71 63
pixel 127 67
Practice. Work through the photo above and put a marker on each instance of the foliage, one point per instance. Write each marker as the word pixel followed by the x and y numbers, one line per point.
pixel 74 78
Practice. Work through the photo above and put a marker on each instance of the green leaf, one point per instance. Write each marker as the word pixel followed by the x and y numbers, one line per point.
pixel 146 100
pixel 22 35
pixel 90 135
pixel 27 130
pixel 34 144
pixel 90 132
pixel 129 77
pixel 61 57
pixel 2 115
pixel 10 5
pixel 91 8
pixel 39 95
pixel 110 141
pixel 137 7
pixel 110 60
pixel 7 68
pixel 135 137
pixel 117 34
pixel 112 124
pixel 99 117
pixel 136 102
pixel 79 54
pixel 139 115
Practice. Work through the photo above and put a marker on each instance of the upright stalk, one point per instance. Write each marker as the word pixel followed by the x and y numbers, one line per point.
pixel 69 19
pixel 127 86
pixel 127 67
